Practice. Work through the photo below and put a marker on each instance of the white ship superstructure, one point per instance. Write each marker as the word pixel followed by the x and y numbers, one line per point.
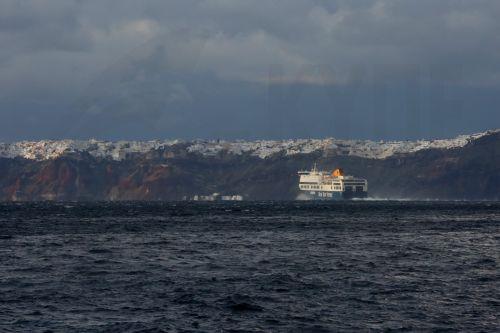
pixel 331 185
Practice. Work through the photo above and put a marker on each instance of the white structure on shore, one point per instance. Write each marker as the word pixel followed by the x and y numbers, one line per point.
pixel 217 197
pixel 44 150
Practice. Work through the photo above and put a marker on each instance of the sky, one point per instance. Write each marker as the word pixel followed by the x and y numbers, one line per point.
pixel 241 69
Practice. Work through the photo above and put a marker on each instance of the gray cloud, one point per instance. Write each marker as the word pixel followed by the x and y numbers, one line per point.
pixel 168 68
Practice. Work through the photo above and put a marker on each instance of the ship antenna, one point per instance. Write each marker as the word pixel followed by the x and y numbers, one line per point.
pixel 314 168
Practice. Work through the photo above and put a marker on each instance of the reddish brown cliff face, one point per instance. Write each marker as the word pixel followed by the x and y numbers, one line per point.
pixel 471 172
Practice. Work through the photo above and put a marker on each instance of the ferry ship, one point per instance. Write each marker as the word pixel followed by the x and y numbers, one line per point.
pixel 324 185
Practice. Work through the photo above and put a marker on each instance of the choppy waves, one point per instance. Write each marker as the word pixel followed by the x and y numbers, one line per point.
pixel 249 267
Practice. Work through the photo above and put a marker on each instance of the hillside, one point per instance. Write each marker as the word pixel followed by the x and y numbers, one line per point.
pixel 467 167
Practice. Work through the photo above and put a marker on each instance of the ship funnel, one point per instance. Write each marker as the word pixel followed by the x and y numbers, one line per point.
pixel 338 173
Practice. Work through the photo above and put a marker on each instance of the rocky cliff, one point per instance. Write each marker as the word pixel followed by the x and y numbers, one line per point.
pixel 467 167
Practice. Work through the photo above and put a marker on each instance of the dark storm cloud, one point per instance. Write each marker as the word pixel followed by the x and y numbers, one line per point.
pixel 31 26
pixel 237 69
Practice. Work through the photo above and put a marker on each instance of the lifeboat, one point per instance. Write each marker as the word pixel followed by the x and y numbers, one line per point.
pixel 338 173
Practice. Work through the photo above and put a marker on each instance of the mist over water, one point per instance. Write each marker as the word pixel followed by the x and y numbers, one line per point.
pixel 249 267
pixel 302 197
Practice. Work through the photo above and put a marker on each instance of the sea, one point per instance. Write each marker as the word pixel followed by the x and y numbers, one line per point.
pixel 360 266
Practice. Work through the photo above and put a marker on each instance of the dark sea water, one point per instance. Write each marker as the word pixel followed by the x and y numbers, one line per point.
pixel 250 267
